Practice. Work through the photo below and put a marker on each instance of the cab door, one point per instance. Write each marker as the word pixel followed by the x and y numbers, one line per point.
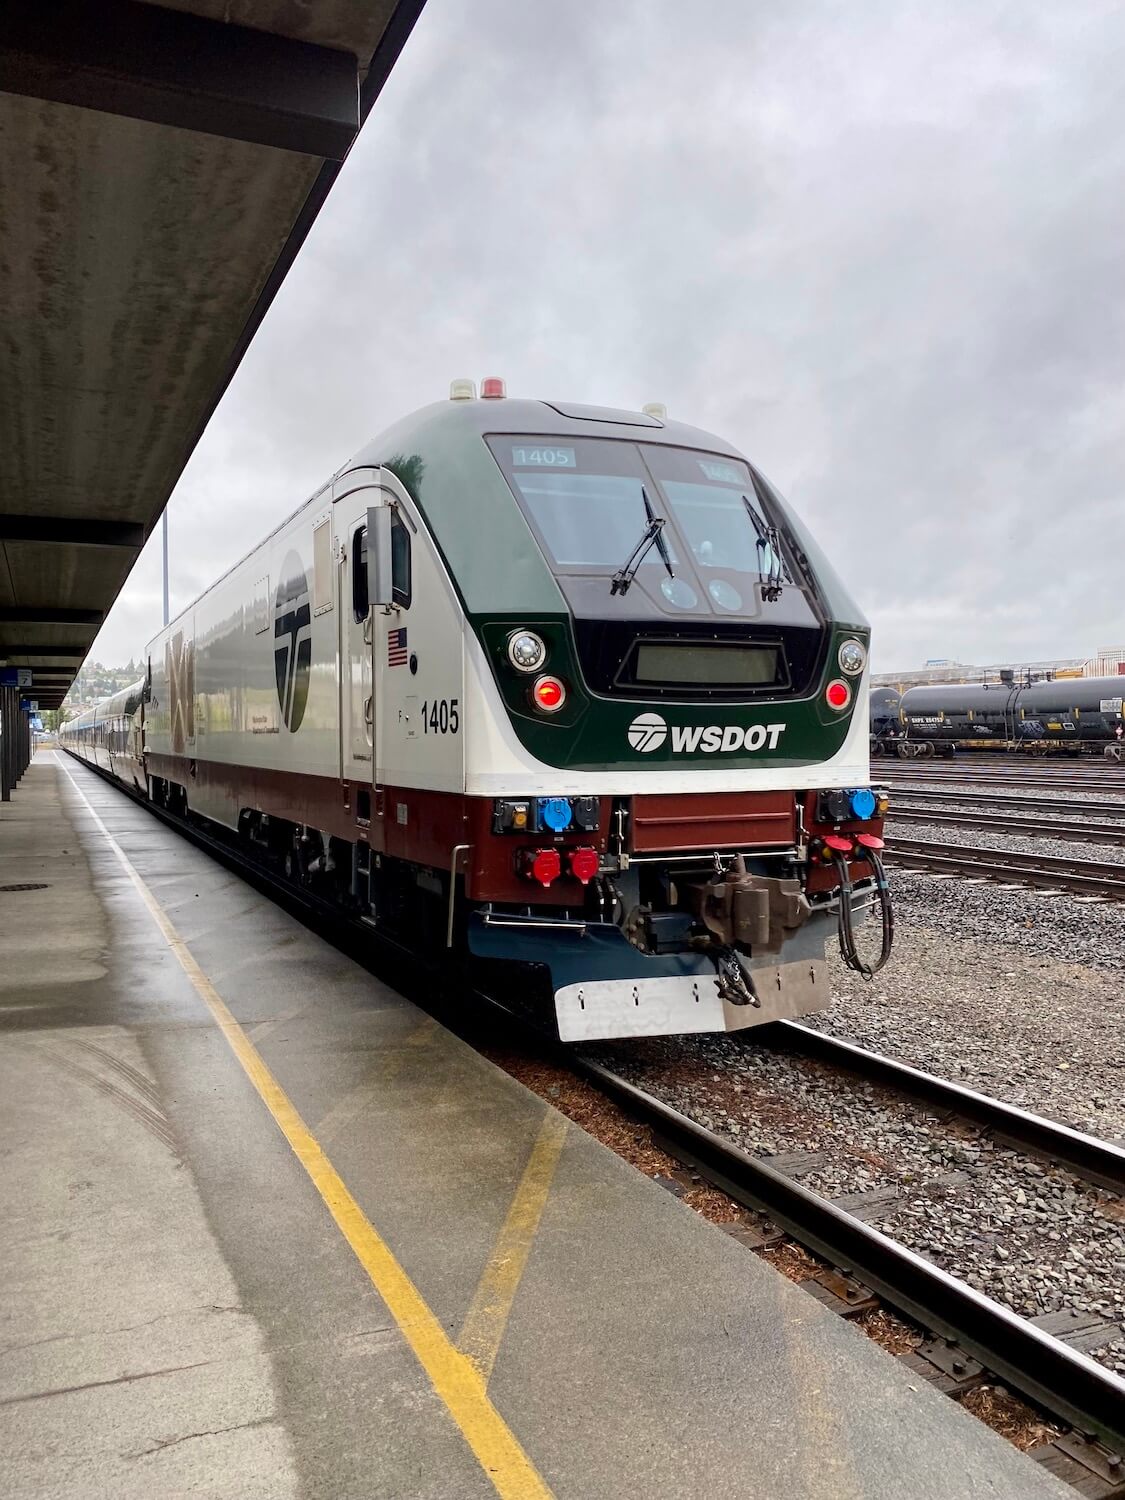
pixel 357 705
pixel 351 494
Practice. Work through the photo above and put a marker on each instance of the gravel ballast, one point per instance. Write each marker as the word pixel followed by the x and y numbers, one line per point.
pixel 1029 1235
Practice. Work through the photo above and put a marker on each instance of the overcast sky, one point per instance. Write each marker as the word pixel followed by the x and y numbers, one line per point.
pixel 879 247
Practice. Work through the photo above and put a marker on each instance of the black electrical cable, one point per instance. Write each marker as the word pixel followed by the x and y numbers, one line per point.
pixel 848 950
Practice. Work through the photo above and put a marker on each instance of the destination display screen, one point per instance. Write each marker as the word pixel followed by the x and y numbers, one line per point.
pixel 543 456
pixel 683 663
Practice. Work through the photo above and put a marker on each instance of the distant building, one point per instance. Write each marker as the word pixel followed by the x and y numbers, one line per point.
pixel 1108 662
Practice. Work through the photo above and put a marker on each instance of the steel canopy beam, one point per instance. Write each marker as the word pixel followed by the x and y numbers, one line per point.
pixel 123 57
pixel 73 531
pixel 43 649
pixel 48 614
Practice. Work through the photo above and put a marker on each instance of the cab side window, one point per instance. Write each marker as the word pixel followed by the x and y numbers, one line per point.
pixel 401 579
pixel 361 601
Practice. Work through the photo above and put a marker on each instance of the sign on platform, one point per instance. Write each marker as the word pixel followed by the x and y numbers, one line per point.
pixel 15 676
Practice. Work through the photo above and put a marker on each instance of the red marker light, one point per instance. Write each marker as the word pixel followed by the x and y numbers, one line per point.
pixel 838 694
pixel 544 866
pixel 584 864
pixel 548 694
pixel 492 388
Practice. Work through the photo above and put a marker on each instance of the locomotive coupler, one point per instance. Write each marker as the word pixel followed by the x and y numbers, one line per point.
pixel 749 913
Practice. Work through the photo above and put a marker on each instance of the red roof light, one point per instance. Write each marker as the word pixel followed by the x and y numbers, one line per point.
pixel 492 388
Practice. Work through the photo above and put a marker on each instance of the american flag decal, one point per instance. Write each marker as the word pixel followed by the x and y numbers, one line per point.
pixel 396 647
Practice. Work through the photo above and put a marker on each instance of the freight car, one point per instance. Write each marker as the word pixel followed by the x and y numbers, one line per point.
pixel 887 732
pixel 1076 715
pixel 566 690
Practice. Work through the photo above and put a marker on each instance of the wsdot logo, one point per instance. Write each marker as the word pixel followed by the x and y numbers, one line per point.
pixel 648 732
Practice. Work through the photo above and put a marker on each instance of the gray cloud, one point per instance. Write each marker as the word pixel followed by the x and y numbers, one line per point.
pixel 877 247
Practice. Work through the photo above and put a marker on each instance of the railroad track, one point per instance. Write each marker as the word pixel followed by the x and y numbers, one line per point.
pixel 910 771
pixel 1042 1367
pixel 1053 828
pixel 1086 877
pixel 1099 807
pixel 1101 1162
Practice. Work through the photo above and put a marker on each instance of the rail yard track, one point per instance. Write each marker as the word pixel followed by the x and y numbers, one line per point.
pixel 1084 877
pixel 1073 807
pixel 1041 827
pixel 935 772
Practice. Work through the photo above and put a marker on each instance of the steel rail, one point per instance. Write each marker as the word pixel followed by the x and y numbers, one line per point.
pixel 1086 833
pixel 963 777
pixel 1086 1156
pixel 1085 876
pixel 1071 806
pixel 1057 1377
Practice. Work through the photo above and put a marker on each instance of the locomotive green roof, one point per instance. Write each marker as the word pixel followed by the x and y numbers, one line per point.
pixel 496 564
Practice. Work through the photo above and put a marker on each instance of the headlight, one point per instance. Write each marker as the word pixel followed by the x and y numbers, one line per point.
pixel 852 657
pixel 526 651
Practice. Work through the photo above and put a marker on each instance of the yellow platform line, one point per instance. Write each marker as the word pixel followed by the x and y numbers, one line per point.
pixel 452 1374
pixel 488 1313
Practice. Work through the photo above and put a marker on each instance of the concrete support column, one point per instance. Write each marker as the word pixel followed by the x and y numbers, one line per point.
pixel 25 743
pixel 7 744
pixel 15 741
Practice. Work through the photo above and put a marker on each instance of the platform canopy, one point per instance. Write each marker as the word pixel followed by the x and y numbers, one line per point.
pixel 160 166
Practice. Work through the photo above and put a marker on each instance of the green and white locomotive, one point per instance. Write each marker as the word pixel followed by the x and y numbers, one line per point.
pixel 567 690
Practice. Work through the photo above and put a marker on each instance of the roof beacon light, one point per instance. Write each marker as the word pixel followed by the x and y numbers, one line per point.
pixel 838 694
pixel 462 390
pixel 656 409
pixel 549 694
pixel 492 388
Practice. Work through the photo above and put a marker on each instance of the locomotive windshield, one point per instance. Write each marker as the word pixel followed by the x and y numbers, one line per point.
pixel 586 501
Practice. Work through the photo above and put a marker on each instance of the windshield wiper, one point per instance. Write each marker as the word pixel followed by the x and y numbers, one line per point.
pixel 772 578
pixel 653 533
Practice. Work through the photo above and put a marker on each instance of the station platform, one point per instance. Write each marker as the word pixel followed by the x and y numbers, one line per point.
pixel 268 1230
